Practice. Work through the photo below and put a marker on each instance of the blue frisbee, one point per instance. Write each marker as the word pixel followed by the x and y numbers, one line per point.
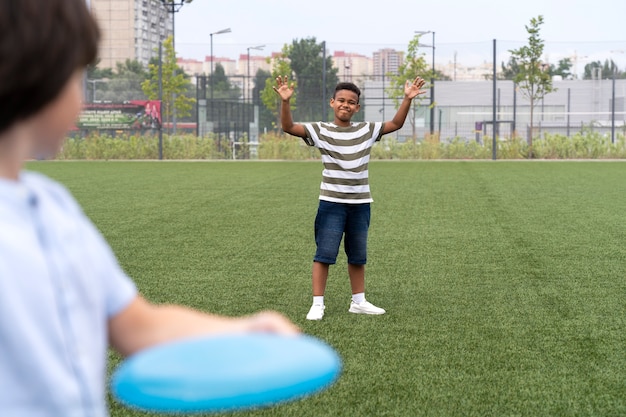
pixel 225 373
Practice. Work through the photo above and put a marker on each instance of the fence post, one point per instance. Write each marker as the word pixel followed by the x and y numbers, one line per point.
pixel 324 104
pixel 161 100
pixel 514 108
pixel 494 144
pixel 613 108
pixel 569 91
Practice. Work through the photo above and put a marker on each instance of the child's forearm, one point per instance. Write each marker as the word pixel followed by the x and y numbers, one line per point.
pixel 286 120
pixel 287 123
pixel 398 120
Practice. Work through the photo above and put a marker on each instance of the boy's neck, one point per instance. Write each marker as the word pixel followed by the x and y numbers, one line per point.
pixel 342 123
pixel 14 150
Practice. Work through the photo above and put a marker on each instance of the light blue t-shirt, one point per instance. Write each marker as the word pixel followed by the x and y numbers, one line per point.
pixel 59 285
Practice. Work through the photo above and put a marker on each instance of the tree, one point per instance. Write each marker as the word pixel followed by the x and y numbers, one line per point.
pixel 606 70
pixel 413 66
pixel 125 82
pixel 442 76
pixel 266 117
pixel 510 70
pixel 222 87
pixel 281 68
pixel 563 69
pixel 95 73
pixel 307 63
pixel 130 66
pixel 175 86
pixel 533 78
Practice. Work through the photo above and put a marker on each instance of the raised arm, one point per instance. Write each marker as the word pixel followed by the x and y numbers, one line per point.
pixel 285 91
pixel 411 90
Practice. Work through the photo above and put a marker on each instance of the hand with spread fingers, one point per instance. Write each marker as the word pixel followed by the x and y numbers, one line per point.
pixel 283 88
pixel 413 89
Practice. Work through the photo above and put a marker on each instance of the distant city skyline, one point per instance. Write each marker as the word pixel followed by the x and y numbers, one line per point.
pixel 464 29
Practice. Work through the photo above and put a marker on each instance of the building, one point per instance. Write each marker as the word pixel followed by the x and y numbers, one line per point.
pixel 256 63
pixel 247 69
pixel 477 72
pixel 464 109
pixel 387 61
pixel 191 66
pixel 352 67
pixel 131 29
pixel 229 65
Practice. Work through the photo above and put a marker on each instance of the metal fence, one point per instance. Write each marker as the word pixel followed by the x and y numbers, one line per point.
pixel 462 108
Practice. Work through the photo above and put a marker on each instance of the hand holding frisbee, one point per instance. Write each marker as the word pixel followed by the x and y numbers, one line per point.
pixel 225 373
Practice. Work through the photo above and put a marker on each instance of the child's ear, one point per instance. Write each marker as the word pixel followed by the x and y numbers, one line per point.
pixel 332 100
pixel 358 107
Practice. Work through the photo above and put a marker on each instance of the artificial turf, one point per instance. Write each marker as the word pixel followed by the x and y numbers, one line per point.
pixel 504 282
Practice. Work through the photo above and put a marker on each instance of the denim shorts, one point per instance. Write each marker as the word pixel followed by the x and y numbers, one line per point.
pixel 333 220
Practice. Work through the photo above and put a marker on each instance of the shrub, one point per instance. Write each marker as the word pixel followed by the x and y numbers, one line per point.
pixel 582 145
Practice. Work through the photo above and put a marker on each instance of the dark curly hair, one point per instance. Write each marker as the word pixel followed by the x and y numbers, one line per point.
pixel 42 43
pixel 348 86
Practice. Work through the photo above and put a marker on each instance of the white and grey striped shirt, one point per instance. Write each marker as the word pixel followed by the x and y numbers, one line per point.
pixel 345 154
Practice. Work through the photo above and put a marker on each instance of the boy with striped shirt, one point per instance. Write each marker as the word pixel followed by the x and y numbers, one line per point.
pixel 344 207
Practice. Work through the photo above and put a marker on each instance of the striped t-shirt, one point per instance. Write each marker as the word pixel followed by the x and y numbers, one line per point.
pixel 345 154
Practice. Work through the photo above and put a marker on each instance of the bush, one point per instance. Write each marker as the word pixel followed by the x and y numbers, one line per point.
pixel 585 145
pixel 103 146
pixel 277 146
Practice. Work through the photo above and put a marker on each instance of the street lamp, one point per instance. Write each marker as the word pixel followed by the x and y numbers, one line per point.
pixel 258 48
pixel 219 32
pixel 94 86
pixel 173 7
pixel 432 79
pixel 614 67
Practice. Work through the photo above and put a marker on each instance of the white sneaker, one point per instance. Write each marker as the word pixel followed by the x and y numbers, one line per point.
pixel 365 308
pixel 316 312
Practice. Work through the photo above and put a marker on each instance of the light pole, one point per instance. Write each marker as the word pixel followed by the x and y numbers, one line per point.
pixel 614 68
pixel 173 7
pixel 94 84
pixel 432 80
pixel 258 48
pixel 219 32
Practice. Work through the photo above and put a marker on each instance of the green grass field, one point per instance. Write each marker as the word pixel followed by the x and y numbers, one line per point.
pixel 504 282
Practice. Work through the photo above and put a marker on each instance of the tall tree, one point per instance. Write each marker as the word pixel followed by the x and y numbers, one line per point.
pixel 223 89
pixel 533 78
pixel 509 70
pixel 130 66
pixel 97 81
pixel 96 73
pixel 307 62
pixel 125 84
pixel 280 68
pixel 605 72
pixel 175 84
pixel 414 65
pixel 266 117
pixel 563 69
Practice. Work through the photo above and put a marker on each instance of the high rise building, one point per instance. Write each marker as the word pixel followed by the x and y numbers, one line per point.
pixel 387 61
pixel 352 67
pixel 131 29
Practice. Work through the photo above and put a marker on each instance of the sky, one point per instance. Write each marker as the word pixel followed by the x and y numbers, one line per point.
pixel 586 30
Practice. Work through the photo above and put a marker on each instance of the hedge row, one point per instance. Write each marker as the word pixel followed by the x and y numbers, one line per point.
pixel 587 145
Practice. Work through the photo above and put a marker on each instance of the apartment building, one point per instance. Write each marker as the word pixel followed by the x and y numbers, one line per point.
pixel 352 67
pixel 131 29
pixel 387 61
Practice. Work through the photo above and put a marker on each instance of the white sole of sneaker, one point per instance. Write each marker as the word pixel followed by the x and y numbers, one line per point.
pixel 355 311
